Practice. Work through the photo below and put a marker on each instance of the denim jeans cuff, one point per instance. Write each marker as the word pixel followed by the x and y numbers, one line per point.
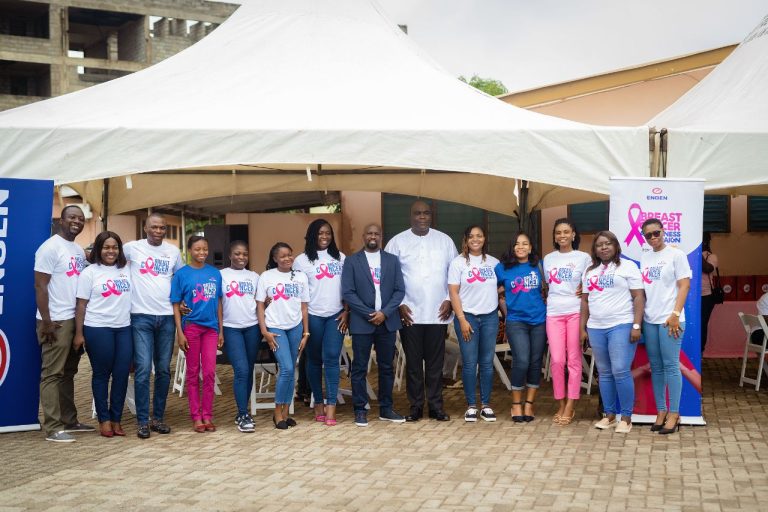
pixel 516 388
pixel 533 386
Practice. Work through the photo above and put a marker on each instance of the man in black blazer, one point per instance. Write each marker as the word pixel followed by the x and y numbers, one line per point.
pixel 373 287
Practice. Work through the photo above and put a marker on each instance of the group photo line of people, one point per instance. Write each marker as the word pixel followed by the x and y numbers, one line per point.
pixel 127 305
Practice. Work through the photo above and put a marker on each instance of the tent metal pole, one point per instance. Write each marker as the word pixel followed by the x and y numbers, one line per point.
pixel 105 204
pixel 183 241
pixel 523 206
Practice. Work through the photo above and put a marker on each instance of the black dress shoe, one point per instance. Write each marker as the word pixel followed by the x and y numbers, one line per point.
pixel 412 418
pixel 439 415
pixel 160 427
pixel 291 422
pixel 142 432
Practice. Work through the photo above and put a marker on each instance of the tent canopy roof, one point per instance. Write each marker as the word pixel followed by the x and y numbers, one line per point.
pixel 296 83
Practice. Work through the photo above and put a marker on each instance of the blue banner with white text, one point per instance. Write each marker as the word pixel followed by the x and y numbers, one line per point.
pixel 25 223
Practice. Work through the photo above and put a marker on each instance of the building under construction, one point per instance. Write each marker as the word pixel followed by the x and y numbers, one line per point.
pixel 49 48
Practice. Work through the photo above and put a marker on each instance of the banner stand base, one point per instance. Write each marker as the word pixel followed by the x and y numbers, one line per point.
pixel 19 428
pixel 684 420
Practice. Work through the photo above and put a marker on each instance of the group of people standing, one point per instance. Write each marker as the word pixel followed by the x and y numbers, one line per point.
pixel 132 300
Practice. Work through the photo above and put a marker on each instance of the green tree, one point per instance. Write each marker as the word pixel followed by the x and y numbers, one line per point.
pixel 487 85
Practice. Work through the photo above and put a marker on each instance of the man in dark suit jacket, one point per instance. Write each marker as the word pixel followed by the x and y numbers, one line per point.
pixel 373 287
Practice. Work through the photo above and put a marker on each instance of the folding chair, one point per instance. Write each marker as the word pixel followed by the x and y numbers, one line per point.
pixel 262 384
pixel 587 370
pixel 751 324
pixel 180 375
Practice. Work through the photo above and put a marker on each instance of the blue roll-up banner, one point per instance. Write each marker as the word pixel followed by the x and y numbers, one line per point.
pixel 679 205
pixel 25 223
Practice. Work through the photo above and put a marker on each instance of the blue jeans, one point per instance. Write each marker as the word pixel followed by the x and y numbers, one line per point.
pixel 286 354
pixel 478 353
pixel 152 342
pixel 664 355
pixel 384 342
pixel 613 354
pixel 323 351
pixel 110 350
pixel 527 342
pixel 242 348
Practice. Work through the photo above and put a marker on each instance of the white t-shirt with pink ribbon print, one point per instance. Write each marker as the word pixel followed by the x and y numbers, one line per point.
pixel 107 289
pixel 63 261
pixel 563 272
pixel 478 289
pixel 324 277
pixel 239 299
pixel 608 288
pixel 284 312
pixel 660 272
pixel 152 269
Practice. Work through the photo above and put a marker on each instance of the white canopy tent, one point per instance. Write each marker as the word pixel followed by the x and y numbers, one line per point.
pixel 288 88
pixel 719 129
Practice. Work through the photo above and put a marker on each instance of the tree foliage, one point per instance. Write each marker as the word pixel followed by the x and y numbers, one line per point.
pixel 487 85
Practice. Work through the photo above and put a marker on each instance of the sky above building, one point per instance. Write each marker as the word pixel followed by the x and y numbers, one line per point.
pixel 528 44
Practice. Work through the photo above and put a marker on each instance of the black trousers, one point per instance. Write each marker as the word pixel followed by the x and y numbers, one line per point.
pixel 707 305
pixel 424 347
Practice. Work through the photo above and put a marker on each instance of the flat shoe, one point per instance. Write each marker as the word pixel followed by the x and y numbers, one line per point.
pixel 330 422
pixel 209 427
pixel 200 429
pixel 118 430
pixel 106 433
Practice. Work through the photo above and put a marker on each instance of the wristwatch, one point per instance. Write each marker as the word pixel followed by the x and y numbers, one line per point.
pixel 676 313
pixel 635 327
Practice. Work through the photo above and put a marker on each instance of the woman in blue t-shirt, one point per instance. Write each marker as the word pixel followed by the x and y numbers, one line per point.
pixel 525 312
pixel 198 285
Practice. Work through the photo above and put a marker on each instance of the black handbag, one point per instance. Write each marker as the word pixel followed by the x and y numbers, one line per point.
pixel 718 294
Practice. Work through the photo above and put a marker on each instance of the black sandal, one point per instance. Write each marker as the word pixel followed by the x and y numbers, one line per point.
pixel 518 419
pixel 527 418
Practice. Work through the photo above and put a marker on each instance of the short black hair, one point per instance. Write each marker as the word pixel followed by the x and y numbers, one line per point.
pixel 194 239
pixel 64 210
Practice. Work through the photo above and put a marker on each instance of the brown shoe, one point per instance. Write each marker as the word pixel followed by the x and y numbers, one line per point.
pixel 209 427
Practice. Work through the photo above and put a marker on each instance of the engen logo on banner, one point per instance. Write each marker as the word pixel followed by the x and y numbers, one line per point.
pixel 679 205
pixel 25 223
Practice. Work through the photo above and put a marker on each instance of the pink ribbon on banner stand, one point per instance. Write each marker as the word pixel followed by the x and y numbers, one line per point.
pixel 149 267
pixel 519 286
pixel 644 274
pixel 323 272
pixel 634 225
pixel 475 276
pixel 234 289
pixel 199 294
pixel 279 292
pixel 111 289
pixel 593 286
pixel 73 267
pixel 553 277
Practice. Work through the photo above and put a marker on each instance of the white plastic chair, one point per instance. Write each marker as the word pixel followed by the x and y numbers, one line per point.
pixel 587 370
pixel 753 323
pixel 180 375
pixel 262 384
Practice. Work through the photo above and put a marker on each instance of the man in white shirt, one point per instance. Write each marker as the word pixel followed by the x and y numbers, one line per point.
pixel 153 262
pixel 425 255
pixel 58 263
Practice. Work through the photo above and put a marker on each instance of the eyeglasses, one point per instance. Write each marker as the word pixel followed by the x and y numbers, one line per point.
pixel 652 234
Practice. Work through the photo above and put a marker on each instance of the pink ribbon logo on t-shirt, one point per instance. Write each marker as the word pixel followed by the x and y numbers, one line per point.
pixel 593 286
pixel 199 294
pixel 279 292
pixel 149 267
pixel 323 272
pixel 519 286
pixel 234 289
pixel 111 289
pixel 645 274
pixel 373 275
pixel 475 276
pixel 635 224
pixel 553 276
pixel 72 267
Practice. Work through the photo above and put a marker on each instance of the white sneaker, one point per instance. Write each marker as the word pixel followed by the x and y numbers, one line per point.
pixel 470 415
pixel 623 427
pixel 487 414
pixel 605 423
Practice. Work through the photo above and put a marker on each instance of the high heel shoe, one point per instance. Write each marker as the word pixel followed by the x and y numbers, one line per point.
pixel 658 426
pixel 666 430
pixel 518 419
pixel 566 420
pixel 527 418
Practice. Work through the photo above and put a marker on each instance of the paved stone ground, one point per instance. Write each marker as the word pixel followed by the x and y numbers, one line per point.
pixel 424 466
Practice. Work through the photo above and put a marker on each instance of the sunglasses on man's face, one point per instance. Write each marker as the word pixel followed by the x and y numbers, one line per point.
pixel 652 234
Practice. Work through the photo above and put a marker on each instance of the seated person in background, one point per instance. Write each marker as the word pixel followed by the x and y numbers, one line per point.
pixel 762 309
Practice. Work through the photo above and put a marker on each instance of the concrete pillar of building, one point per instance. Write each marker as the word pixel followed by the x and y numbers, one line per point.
pixel 161 27
pixel 179 27
pixel 197 31
pixel 112 53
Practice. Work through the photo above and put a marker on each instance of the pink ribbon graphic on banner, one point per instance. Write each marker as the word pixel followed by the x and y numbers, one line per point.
pixel 476 276
pixel 149 267
pixel 634 225
pixel 645 276
pixel 111 289
pixel 593 286
pixel 553 277
pixel 519 286
pixel 279 292
pixel 72 268
pixel 323 272
pixel 199 294
pixel 234 289
pixel 373 276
